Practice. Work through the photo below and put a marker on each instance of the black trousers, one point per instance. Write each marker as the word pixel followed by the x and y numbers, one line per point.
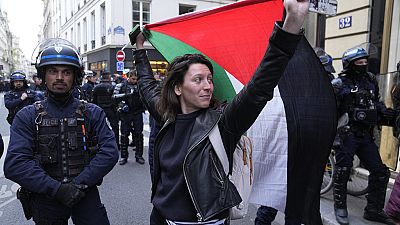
pixel 362 145
pixel 112 117
pixel 89 211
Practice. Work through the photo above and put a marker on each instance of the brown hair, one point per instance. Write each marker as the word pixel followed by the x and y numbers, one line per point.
pixel 169 105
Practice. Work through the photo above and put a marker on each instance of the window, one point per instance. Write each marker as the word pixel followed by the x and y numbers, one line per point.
pixel 78 35
pixel 72 36
pixel 93 29
pixel 140 13
pixel 84 30
pixel 103 19
pixel 183 9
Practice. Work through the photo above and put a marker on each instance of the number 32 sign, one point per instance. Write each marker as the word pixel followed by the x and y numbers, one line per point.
pixel 345 22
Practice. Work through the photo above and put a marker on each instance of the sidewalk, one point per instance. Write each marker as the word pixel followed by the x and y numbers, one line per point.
pixel 355 207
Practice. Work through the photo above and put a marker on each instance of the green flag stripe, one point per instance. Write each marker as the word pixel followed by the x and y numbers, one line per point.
pixel 223 89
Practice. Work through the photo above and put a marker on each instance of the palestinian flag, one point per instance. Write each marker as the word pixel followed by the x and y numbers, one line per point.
pixel 300 122
pixel 234 37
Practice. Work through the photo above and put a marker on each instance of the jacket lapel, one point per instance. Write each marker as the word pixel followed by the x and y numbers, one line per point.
pixel 202 126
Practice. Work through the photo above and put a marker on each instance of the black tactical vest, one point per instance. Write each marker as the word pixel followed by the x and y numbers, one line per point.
pixel 102 95
pixel 63 146
pixel 133 98
pixel 363 109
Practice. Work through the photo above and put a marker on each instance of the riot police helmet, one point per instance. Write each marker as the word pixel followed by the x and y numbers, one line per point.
pixel 89 73
pixel 18 76
pixel 325 59
pixel 351 55
pixel 57 51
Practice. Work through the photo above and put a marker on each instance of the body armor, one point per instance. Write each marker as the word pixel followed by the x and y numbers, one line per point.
pixel 132 98
pixel 361 101
pixel 102 95
pixel 63 146
pixel 12 95
pixel 364 110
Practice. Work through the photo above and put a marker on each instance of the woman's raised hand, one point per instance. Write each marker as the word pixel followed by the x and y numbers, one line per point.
pixel 296 12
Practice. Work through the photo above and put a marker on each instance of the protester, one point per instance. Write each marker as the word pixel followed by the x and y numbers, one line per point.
pixel 60 148
pixel 393 205
pixel 270 157
pixel 187 173
pixel 37 84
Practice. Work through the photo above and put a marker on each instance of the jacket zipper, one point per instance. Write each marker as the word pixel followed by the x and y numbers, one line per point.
pixel 221 179
pixel 198 215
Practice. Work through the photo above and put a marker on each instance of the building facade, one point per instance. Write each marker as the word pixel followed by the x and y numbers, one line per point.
pixel 11 56
pixel 6 60
pixel 99 28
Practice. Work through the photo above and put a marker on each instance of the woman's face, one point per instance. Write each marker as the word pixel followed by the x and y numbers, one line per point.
pixel 197 88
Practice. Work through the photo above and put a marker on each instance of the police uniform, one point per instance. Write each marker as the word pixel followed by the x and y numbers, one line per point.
pixel 130 111
pixel 87 90
pixel 60 148
pixel 102 96
pixel 357 94
pixel 12 99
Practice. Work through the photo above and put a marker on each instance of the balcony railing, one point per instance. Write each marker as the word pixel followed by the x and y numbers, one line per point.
pixel 93 44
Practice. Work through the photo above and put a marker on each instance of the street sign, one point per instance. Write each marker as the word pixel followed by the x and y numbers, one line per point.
pixel 120 56
pixel 120 66
pixel 327 7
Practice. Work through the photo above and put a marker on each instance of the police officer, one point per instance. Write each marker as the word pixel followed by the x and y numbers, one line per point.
pixel 87 88
pixel 358 96
pixel 19 96
pixel 326 60
pixel 103 97
pixel 60 148
pixel 131 109
pixel 37 84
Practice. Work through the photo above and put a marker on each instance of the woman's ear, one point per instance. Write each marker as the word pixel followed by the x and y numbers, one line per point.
pixel 177 90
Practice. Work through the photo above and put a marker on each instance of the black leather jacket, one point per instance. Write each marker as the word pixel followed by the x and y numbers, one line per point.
pixel 210 190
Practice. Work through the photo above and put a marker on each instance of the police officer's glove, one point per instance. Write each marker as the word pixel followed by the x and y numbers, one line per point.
pixel 388 117
pixel 389 112
pixel 69 194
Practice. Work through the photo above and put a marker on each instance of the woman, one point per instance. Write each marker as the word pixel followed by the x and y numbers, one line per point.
pixel 189 185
